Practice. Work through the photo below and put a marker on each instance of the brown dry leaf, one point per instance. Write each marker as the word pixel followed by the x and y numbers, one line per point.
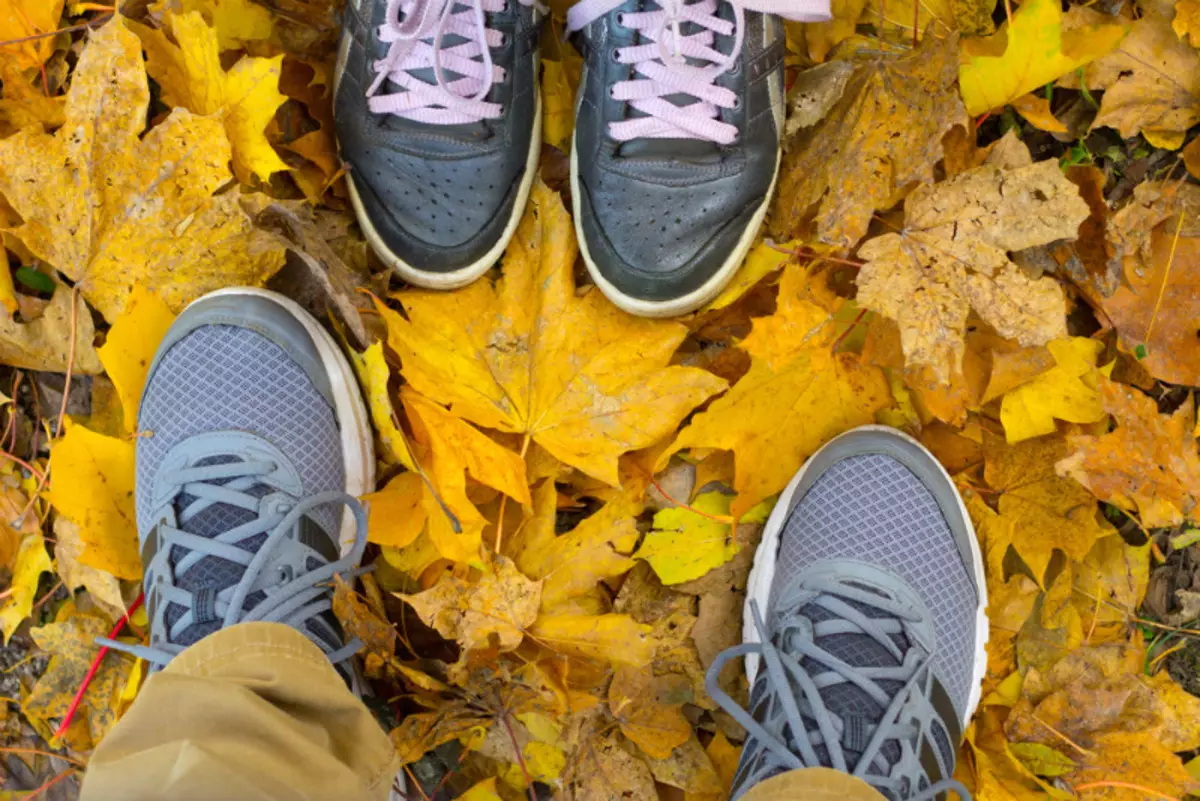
pixel 1149 463
pixel 724 757
pixel 649 710
pixel 528 357
pixel 883 135
pixel 423 731
pixel 687 768
pixel 45 343
pixel 493 612
pixel 1157 307
pixel 111 208
pixel 1151 82
pixel 14 527
pixel 952 257
pixel 605 768
pixel 363 621
pixel 1043 510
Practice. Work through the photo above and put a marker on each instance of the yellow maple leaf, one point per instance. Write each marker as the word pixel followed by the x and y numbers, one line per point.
pixel 31 562
pixel 1035 500
pixel 482 791
pixel 1068 391
pixel 573 563
pixel 237 22
pixel 492 612
pixel 111 208
pixel 373 375
pixel 22 18
pixel 13 527
pixel 130 347
pixel 724 756
pixel 245 98
pixel 1150 463
pixel 1035 52
pixel 579 377
pixel 23 103
pixel 92 484
pixel 609 638
pixel 773 421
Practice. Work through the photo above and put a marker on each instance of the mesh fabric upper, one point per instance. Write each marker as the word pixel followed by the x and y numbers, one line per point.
pixel 229 378
pixel 871 508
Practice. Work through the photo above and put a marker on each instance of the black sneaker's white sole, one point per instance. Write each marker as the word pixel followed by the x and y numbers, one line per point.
pixel 762 574
pixel 684 303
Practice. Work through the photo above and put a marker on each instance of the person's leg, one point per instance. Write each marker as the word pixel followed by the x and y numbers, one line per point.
pixel 253 448
pixel 865 630
pixel 255 711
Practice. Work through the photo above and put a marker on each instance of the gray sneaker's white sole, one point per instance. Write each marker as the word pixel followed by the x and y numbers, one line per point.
pixel 762 574
pixel 684 303
pixel 354 424
pixel 455 279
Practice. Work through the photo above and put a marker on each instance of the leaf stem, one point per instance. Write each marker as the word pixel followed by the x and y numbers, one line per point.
pixel 504 499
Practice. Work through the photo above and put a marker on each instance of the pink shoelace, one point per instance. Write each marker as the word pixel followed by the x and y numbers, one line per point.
pixel 661 66
pixel 419 43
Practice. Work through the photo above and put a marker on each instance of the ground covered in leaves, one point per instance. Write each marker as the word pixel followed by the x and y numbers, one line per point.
pixel 986 234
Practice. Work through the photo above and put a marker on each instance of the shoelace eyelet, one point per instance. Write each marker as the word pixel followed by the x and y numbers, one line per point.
pixel 620 19
pixel 736 69
pixel 737 103
pixel 616 55
pixel 284 573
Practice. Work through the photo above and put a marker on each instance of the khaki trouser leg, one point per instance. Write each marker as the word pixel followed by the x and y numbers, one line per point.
pixel 254 711
pixel 813 784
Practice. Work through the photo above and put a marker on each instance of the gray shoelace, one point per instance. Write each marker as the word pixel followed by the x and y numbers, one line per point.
pixel 793 684
pixel 294 601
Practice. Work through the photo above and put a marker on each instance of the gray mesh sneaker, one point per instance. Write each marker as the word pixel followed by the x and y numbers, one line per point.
pixel 865 622
pixel 439 119
pixel 676 147
pixel 254 447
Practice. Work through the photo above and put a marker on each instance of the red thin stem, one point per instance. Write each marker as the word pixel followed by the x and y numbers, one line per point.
pixel 728 520
pixel 95 666
pixel 520 758
pixel 862 313
pixel 18 460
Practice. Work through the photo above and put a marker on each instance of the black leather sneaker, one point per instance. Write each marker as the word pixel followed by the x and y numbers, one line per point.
pixel 438 116
pixel 676 144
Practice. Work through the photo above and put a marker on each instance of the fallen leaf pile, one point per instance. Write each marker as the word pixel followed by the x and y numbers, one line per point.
pixel 986 234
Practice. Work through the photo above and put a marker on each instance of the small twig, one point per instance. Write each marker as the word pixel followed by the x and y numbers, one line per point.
pixel 1065 738
pixel 504 499
pixel 38 752
pixel 1124 786
pixel 17 460
pixel 35 793
pixel 49 594
pixel 62 408
pixel 726 519
pixel 1162 290
pixel 94 23
pixel 854 324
